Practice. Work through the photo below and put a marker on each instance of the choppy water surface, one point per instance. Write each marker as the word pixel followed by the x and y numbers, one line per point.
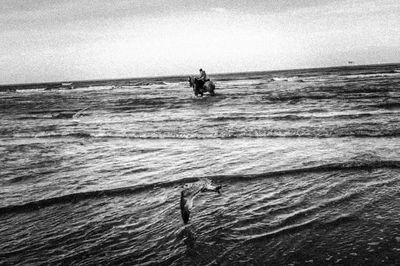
pixel 309 161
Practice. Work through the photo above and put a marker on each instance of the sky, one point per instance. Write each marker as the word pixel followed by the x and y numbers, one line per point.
pixel 60 40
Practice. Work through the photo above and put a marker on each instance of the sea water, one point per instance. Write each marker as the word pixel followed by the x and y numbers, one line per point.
pixel 308 160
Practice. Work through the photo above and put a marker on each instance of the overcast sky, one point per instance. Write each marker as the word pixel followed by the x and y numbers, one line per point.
pixel 56 40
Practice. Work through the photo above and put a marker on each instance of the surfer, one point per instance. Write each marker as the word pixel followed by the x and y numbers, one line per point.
pixel 190 192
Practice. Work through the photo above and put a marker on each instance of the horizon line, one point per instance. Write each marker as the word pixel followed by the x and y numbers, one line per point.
pixel 183 75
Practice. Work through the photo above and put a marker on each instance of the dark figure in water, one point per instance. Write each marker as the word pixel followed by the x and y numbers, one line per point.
pixel 202 78
pixel 199 87
pixel 190 192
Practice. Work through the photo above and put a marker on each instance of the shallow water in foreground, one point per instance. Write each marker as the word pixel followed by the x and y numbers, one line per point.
pixel 309 162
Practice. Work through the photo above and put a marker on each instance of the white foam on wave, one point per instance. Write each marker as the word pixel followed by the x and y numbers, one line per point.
pixel 35 90
pixel 243 82
pixel 376 75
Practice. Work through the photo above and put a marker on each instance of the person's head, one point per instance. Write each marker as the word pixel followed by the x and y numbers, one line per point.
pixel 200 69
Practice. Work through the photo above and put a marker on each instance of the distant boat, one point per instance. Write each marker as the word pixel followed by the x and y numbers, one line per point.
pixel 350 62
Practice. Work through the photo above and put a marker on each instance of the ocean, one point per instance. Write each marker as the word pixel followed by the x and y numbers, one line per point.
pixel 308 160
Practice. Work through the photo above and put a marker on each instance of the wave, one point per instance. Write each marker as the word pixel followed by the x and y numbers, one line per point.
pixel 293 79
pixel 293 117
pixel 387 105
pixel 71 135
pixel 246 134
pixel 58 116
pixel 79 196
pixel 51 111
pixel 143 83
pixel 287 229
pixel 327 93
pixel 372 74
